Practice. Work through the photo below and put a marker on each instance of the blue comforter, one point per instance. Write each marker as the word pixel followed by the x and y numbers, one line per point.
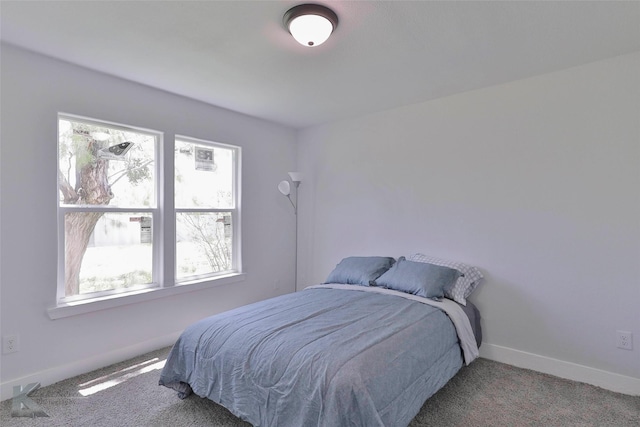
pixel 320 357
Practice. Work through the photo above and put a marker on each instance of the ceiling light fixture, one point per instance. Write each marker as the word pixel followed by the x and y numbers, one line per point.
pixel 310 24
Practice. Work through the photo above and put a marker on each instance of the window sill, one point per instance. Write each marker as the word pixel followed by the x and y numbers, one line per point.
pixel 75 308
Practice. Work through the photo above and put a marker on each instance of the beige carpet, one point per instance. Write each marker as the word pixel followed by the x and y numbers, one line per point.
pixel 485 393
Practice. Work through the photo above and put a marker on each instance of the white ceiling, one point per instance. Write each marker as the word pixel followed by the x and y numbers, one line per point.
pixel 384 54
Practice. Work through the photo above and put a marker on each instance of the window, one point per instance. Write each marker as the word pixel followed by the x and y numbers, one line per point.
pixel 206 212
pixel 113 210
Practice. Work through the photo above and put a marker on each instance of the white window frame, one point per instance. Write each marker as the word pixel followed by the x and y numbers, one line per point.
pixel 164 282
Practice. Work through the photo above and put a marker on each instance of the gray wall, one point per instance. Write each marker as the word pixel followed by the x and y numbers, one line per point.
pixel 535 181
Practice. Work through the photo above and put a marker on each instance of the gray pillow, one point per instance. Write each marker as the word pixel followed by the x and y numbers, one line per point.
pixel 360 270
pixel 419 278
pixel 469 278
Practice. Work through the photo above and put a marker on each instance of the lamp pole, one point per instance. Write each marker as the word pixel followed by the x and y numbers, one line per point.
pixel 285 189
pixel 295 211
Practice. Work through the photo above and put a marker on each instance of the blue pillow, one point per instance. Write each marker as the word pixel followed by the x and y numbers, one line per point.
pixel 419 278
pixel 360 270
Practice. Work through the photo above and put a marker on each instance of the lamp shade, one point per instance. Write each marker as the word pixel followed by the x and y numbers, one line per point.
pixel 310 24
pixel 284 188
pixel 296 177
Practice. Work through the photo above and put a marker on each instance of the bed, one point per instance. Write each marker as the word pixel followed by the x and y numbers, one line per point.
pixel 336 354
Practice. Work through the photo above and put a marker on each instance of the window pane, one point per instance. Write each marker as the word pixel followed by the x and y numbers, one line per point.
pixel 203 176
pixel 203 243
pixel 107 251
pixel 102 165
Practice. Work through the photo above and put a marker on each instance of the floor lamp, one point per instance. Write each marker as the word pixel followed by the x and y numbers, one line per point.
pixel 285 189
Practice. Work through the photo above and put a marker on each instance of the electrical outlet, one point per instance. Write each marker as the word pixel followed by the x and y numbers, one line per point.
pixel 625 340
pixel 10 344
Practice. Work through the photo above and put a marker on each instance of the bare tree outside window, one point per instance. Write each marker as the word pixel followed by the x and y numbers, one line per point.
pixel 205 240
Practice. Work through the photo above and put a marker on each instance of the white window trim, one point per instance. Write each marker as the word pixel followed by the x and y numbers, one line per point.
pixel 75 308
pixel 164 212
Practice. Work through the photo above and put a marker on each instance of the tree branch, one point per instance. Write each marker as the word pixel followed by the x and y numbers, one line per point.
pixel 124 172
pixel 69 193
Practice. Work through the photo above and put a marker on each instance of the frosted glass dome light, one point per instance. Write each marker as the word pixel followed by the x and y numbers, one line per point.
pixel 310 24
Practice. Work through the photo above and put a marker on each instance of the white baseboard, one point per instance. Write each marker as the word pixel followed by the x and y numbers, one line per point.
pixel 59 373
pixel 560 368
